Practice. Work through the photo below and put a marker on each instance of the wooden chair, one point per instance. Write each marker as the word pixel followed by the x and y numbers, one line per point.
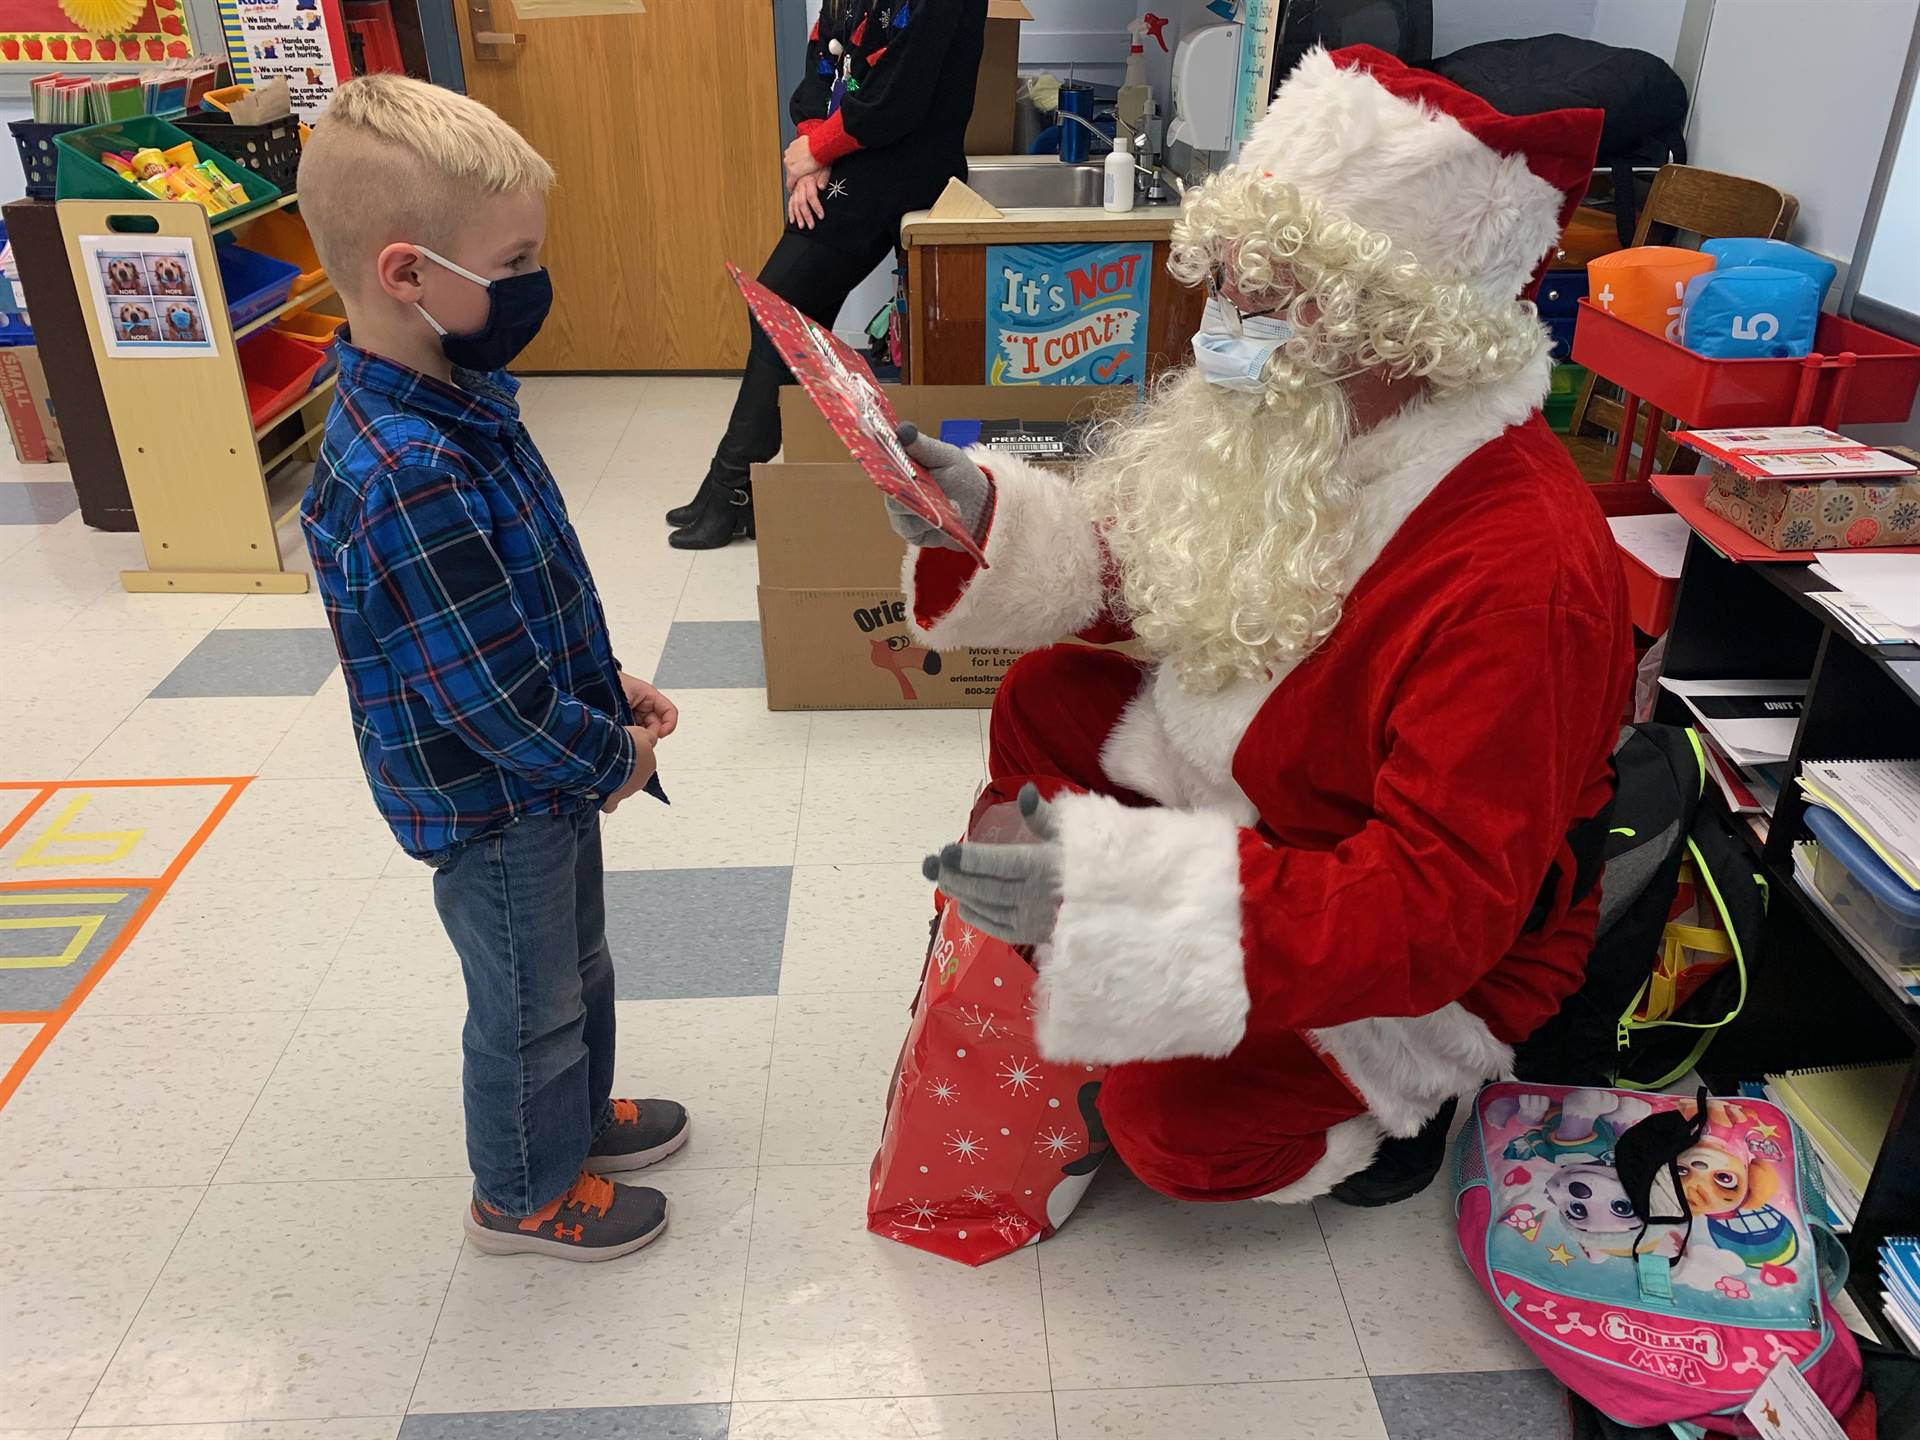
pixel 1703 205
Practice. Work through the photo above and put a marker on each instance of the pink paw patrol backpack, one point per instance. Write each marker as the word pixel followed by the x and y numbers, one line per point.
pixel 1658 1254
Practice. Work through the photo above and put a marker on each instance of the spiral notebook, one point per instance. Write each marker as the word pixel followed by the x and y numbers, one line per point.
pixel 1880 800
pixel 1847 1108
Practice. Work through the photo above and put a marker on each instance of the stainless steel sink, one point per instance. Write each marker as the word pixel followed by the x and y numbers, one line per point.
pixel 1019 183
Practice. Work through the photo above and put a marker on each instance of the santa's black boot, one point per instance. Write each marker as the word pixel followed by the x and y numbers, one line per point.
pixel 1401 1169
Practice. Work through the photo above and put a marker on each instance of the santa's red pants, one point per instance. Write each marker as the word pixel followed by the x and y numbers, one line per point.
pixel 1227 1129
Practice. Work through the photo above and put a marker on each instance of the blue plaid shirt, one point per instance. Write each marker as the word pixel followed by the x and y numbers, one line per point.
pixel 482 681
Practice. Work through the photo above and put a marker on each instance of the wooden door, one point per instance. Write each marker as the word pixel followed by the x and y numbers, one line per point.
pixel 664 130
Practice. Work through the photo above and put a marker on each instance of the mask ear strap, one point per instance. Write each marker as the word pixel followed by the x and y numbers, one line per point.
pixel 460 270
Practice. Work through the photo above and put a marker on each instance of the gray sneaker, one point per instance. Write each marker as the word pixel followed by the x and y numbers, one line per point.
pixel 638 1134
pixel 595 1220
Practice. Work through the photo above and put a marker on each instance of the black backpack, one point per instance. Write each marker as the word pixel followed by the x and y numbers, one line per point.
pixel 1644 100
pixel 1659 985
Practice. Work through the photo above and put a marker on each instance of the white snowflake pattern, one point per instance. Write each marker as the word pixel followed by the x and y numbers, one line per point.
pixel 966 1147
pixel 919 1214
pixel 944 1091
pixel 836 189
pixel 1057 1144
pixel 981 1022
pixel 978 1194
pixel 1019 1076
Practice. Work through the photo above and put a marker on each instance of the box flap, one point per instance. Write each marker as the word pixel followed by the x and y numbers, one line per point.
pixel 1008 10
pixel 823 526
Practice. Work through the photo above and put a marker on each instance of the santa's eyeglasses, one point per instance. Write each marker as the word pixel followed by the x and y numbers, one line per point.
pixel 1236 317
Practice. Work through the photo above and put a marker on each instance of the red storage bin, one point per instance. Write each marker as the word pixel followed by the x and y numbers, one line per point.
pixel 1855 376
pixel 278 370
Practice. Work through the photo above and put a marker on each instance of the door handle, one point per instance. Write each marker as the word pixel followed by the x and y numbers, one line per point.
pixel 488 39
pixel 496 37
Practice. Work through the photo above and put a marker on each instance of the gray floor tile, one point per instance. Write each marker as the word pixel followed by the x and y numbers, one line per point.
pixel 711 655
pixel 253 662
pixel 697 934
pixel 36 502
pixel 38 927
pixel 1485 1405
pixel 624 1422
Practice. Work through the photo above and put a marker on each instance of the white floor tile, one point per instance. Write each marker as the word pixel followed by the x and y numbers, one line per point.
pixel 717 818
pixel 358 1095
pixel 73 1271
pixel 723 585
pixel 214 945
pixel 319 745
pixel 371 1429
pixel 46 738
pixel 300 830
pixel 104 668
pixel 14 1039
pixel 653 1328
pixel 396 954
pixel 883 815
pixel 832 1055
pixel 277 612
pixel 734 730
pixel 921 1417
pixel 137 1099
pixel 896 741
pixel 290 1302
pixel 223 736
pixel 1158 1292
pixel 1298 1410
pixel 1414 1303
pixel 711 1056
pixel 835 1313
pixel 856 927
pixel 117 609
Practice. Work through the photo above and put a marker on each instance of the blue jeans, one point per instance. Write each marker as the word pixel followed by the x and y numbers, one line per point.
pixel 526 911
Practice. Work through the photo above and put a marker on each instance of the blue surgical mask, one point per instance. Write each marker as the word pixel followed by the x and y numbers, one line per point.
pixel 1232 350
pixel 517 307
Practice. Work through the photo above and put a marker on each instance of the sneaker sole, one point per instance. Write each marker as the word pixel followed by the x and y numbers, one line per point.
pixel 502 1242
pixel 639 1159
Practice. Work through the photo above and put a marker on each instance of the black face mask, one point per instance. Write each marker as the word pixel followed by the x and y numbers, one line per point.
pixel 517 307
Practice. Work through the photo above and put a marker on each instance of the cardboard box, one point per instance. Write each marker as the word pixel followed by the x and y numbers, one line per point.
pixel 1822 514
pixel 833 620
pixel 23 396
pixel 990 131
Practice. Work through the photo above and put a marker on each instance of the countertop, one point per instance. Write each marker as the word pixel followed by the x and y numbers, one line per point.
pixel 1060 222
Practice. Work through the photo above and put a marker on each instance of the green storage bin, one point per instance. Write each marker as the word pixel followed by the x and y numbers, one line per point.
pixel 82 175
pixel 1562 391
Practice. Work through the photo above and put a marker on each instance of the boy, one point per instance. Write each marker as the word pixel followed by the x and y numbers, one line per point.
pixel 493 721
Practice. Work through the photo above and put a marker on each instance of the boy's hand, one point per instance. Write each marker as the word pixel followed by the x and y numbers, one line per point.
pixel 643 768
pixel 656 714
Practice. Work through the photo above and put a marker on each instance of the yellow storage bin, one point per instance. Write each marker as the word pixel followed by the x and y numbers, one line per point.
pixel 283 235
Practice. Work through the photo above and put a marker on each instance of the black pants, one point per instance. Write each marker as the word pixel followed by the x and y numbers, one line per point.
pixel 816 280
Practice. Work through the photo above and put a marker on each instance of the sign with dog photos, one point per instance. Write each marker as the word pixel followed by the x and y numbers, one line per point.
pixel 148 299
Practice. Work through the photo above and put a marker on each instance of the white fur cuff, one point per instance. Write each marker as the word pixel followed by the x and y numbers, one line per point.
pixel 1044 576
pixel 1146 961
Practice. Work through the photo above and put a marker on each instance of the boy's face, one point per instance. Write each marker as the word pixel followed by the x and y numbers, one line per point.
pixel 503 238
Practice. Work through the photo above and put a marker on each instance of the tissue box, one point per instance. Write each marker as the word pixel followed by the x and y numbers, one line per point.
pixel 1819 515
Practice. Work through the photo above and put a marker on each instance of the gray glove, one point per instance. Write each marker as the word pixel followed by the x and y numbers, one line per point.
pixel 1010 891
pixel 964 483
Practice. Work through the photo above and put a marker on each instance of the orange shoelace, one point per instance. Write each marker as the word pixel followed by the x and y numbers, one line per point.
pixel 590 1191
pixel 625 1112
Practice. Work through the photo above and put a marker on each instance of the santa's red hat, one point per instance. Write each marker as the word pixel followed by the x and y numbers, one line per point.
pixel 1474 194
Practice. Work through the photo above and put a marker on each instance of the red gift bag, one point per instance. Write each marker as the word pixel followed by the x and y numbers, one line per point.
pixel 987 1147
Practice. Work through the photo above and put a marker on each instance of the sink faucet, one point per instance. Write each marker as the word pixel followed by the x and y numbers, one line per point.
pixel 1152 189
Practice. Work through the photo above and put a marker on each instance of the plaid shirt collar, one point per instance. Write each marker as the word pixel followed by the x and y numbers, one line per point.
pixel 476 400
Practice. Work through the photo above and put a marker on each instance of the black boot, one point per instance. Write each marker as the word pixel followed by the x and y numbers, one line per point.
pixel 686 514
pixel 1402 1168
pixel 725 514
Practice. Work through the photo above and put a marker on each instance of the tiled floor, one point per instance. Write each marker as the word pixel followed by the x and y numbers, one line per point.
pixel 233 1181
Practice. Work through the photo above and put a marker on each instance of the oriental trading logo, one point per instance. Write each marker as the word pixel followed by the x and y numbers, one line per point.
pixel 1673 1354
pixel 896 654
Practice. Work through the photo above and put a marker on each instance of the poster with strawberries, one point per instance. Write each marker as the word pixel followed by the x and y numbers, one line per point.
pixel 40 32
pixel 844 390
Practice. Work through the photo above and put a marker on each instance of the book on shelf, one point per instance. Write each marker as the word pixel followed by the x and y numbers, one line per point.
pixel 1879 800
pixel 1900 1274
pixel 1749 789
pixel 1903 980
pixel 1752 721
pixel 1843 1207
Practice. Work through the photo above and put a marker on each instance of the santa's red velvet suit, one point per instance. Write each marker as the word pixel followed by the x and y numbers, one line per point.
pixel 1301 913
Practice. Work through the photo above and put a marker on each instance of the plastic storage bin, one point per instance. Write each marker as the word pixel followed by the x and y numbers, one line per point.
pixel 310 328
pixel 1559 304
pixel 1855 376
pixel 283 235
pixel 278 370
pixel 271 151
pixel 1878 905
pixel 1562 393
pixel 254 283
pixel 39 160
pixel 81 176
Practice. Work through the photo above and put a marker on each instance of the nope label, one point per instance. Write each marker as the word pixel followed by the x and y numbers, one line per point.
pixel 1067 314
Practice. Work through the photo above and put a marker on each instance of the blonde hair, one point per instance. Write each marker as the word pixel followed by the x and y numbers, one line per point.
pixel 396 159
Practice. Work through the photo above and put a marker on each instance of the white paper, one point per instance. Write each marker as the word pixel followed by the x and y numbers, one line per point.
pixel 1883 797
pixel 1752 740
pixel 1889 583
pixel 1658 542
pixel 1773 437
pixel 1785 1407
pixel 148 299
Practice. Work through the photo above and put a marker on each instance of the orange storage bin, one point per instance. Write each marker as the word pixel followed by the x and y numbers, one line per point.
pixel 283 235
pixel 1645 286
pixel 312 328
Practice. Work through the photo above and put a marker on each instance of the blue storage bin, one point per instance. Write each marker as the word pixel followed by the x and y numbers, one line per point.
pixel 1559 305
pixel 1859 885
pixel 1748 250
pixel 1752 312
pixel 254 283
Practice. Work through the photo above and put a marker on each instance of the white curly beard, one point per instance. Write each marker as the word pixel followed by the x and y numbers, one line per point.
pixel 1228 515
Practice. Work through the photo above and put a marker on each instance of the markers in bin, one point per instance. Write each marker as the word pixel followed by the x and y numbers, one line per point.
pixel 177 174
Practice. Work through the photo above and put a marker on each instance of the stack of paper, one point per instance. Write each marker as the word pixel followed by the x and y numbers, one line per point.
pixel 1793 452
pixel 1881 592
pixel 1879 800
pixel 1900 1273
pixel 1752 721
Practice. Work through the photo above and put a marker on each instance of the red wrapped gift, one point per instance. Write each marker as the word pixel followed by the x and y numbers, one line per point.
pixel 987 1147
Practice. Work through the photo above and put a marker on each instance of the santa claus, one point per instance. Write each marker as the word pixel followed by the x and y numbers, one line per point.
pixel 1313 867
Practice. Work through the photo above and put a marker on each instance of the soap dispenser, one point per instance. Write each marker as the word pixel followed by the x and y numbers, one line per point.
pixel 1119 191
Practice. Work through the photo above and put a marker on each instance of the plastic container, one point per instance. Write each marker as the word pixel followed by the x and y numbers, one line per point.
pixel 1563 392
pixel 271 151
pixel 81 175
pixel 278 370
pixel 1650 597
pixel 310 328
pixel 1559 305
pixel 254 283
pixel 1876 903
pixel 283 235
pixel 39 160
pixel 1855 376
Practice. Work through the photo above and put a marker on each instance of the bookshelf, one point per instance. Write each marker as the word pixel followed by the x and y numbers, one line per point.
pixel 1813 998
